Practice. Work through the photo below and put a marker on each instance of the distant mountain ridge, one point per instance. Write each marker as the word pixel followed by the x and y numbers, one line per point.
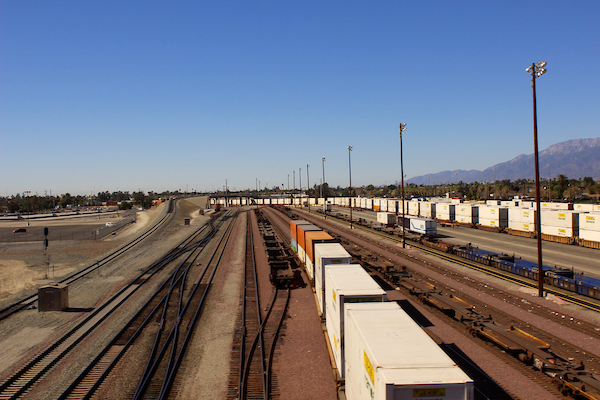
pixel 575 158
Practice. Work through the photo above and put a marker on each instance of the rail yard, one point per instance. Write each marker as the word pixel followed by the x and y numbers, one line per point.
pixel 240 304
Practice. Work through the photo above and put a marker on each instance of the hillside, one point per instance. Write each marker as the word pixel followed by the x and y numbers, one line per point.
pixel 576 158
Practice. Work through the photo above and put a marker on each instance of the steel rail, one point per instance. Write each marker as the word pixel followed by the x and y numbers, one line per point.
pixel 90 390
pixel 168 383
pixel 145 382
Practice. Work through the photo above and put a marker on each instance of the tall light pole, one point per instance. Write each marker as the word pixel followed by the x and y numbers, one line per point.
pixel 402 128
pixel 350 173
pixel 300 178
pixel 536 70
pixel 323 162
pixel 308 186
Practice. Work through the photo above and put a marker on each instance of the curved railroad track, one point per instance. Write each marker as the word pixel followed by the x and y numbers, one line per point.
pixel 170 315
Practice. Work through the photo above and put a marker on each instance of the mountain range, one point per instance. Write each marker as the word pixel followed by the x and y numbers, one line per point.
pixel 575 158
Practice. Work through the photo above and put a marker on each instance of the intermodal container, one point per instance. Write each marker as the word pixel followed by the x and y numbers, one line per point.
pixel 346 284
pixel 388 356
pixel 327 254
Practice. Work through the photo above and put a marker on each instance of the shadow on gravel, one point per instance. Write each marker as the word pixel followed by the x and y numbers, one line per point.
pixel 414 313
pixel 78 309
pixel 485 387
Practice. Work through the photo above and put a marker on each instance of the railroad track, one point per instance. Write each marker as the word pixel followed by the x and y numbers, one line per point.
pixel 34 371
pixel 32 299
pixel 259 330
pixel 169 316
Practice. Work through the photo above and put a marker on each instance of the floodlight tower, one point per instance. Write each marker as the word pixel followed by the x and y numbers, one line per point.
pixel 402 128
pixel 350 173
pixel 536 70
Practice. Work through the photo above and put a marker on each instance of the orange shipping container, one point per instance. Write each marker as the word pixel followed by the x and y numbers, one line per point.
pixel 293 225
pixel 302 231
pixel 315 237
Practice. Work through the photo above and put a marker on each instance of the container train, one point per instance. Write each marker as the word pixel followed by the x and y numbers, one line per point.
pixel 374 363
pixel 561 222
pixel 363 327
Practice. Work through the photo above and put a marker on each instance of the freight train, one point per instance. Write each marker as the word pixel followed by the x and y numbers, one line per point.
pixel 373 362
pixel 362 326
pixel 561 222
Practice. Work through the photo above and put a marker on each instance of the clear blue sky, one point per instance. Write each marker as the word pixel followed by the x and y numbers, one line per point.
pixel 149 95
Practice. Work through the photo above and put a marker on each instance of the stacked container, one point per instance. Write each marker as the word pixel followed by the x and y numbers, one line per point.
pixel 522 219
pixel 388 356
pixel 426 209
pixel 556 206
pixel 413 207
pixel 493 217
pixel 589 229
pixel 327 254
pixel 311 239
pixel 301 232
pixel 445 211
pixel 294 232
pixel 346 284
pixel 466 213
pixel 560 225
pixel 583 208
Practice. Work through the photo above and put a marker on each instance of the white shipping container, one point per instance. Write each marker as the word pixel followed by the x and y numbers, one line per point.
pixel 583 207
pixel 521 215
pixel 384 205
pixel 492 222
pixel 558 231
pixel 445 212
pixel 596 207
pixel 327 254
pixel 589 235
pixel 589 222
pixel 413 207
pixel 388 356
pixel 521 226
pixel 386 218
pixel 465 219
pixel 391 205
pixel 490 212
pixel 346 284
pixel 427 209
pixel 560 218
pixel 556 206
pixel 492 202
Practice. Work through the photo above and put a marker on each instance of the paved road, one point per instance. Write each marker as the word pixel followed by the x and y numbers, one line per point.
pixel 581 258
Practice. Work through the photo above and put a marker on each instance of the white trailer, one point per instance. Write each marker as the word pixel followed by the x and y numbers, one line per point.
pixel 326 254
pixel 346 284
pixel 386 218
pixel 388 356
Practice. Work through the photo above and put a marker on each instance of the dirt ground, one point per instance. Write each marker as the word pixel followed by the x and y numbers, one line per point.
pixel 22 272
pixel 22 264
